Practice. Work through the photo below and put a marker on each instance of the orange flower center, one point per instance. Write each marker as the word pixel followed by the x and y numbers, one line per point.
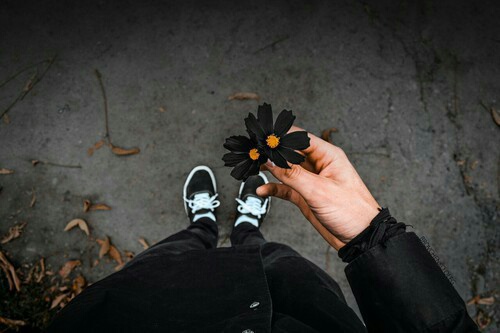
pixel 273 141
pixel 254 154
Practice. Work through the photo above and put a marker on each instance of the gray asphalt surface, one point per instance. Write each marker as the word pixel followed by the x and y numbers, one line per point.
pixel 402 84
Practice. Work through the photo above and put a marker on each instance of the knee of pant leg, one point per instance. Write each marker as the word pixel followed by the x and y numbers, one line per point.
pixel 272 251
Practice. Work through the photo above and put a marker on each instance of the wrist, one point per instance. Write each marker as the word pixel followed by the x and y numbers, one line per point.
pixel 382 227
pixel 362 222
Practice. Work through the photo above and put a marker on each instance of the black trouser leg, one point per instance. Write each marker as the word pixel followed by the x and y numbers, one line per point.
pixel 298 287
pixel 247 234
pixel 305 292
pixel 200 235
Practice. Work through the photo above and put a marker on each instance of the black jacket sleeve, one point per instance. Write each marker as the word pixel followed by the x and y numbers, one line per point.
pixel 398 285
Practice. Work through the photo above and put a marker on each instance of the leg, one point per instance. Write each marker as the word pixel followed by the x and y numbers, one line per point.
pixel 250 213
pixel 199 194
pixel 201 235
pixel 247 234
pixel 305 292
pixel 298 287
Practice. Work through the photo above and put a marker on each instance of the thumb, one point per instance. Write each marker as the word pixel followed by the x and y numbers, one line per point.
pixel 298 178
pixel 285 192
pixel 280 191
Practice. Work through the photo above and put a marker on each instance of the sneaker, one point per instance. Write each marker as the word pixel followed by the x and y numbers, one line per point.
pixel 252 208
pixel 200 193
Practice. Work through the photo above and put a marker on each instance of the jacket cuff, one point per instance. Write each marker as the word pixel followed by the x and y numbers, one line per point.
pixel 382 228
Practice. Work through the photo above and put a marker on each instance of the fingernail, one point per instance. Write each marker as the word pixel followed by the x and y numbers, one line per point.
pixel 270 164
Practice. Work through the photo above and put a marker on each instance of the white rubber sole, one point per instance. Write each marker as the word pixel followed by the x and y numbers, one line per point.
pixel 266 181
pixel 198 168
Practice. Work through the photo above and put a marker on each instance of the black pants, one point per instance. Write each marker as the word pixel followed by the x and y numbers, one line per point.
pixel 286 270
pixel 203 235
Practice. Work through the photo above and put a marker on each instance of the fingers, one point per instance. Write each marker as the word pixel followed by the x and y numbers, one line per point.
pixel 315 142
pixel 285 192
pixel 320 153
pixel 297 178
pixel 281 191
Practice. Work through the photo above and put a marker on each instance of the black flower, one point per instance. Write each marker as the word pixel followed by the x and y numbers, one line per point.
pixel 245 157
pixel 273 140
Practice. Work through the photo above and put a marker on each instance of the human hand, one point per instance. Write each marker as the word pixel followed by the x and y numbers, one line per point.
pixel 327 190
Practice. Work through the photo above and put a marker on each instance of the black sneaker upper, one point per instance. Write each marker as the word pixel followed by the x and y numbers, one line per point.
pixel 250 190
pixel 200 182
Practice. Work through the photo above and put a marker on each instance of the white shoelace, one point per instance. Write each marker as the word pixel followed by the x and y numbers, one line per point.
pixel 202 201
pixel 252 206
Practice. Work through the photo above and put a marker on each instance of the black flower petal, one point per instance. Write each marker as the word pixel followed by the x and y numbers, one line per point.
pixel 263 157
pixel 240 157
pixel 295 140
pixel 253 170
pixel 242 169
pixel 291 156
pixel 271 141
pixel 238 143
pixel 283 123
pixel 254 127
pixel 232 159
pixel 277 158
pixel 265 118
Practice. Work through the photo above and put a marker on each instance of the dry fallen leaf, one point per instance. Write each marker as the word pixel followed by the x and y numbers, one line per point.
pixel 144 243
pixel 11 322
pixel 68 267
pixel 95 147
pixel 4 171
pixel 6 119
pixel 71 296
pixel 13 233
pixel 240 96
pixel 124 152
pixel 484 301
pixel 325 135
pixel 10 272
pixel 80 223
pixel 78 284
pixel 99 206
pixel 162 109
pixel 95 263
pixel 86 205
pixel 57 300
pixel 115 254
pixel 495 114
pixel 129 254
pixel 35 162
pixel 473 300
pixel 482 320
pixel 27 280
pixel 104 243
pixel 41 274
pixel 33 199
pixel 29 83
